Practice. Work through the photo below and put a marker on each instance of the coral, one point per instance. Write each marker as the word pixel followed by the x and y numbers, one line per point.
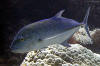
pixel 58 55
pixel 95 34
pixel 82 37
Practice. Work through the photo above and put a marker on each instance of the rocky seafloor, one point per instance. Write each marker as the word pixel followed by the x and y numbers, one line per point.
pixel 58 55
pixel 84 51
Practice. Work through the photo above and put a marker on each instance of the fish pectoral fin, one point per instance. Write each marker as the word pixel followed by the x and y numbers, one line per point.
pixel 65 44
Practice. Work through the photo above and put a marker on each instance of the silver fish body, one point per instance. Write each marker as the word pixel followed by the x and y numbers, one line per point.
pixel 43 33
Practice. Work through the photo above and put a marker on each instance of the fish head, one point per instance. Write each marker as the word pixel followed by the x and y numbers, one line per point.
pixel 23 42
pixel 18 44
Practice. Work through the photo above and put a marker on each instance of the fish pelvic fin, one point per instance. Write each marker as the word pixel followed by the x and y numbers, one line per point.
pixel 59 14
pixel 85 21
pixel 65 44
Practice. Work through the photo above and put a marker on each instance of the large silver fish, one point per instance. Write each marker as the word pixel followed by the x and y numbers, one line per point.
pixel 42 33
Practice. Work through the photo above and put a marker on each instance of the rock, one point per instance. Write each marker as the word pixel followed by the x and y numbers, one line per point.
pixel 58 55
pixel 95 34
pixel 82 37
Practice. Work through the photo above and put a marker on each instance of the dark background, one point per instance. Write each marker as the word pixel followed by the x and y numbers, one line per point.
pixel 17 13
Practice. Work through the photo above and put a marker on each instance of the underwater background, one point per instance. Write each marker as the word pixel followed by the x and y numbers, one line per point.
pixel 17 13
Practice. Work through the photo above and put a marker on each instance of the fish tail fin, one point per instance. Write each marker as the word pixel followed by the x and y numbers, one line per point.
pixel 59 14
pixel 85 21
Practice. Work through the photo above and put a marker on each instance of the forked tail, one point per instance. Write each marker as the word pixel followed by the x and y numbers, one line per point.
pixel 86 20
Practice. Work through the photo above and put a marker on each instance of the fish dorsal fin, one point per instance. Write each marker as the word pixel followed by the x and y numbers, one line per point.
pixel 59 14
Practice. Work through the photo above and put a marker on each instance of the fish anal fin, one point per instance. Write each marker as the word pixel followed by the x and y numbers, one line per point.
pixel 65 44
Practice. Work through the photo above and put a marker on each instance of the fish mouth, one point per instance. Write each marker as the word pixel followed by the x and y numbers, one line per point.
pixel 13 51
pixel 13 47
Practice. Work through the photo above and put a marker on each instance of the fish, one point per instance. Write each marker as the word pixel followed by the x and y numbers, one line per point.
pixel 42 33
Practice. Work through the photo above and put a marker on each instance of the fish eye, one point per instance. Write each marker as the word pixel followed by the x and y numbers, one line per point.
pixel 22 39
